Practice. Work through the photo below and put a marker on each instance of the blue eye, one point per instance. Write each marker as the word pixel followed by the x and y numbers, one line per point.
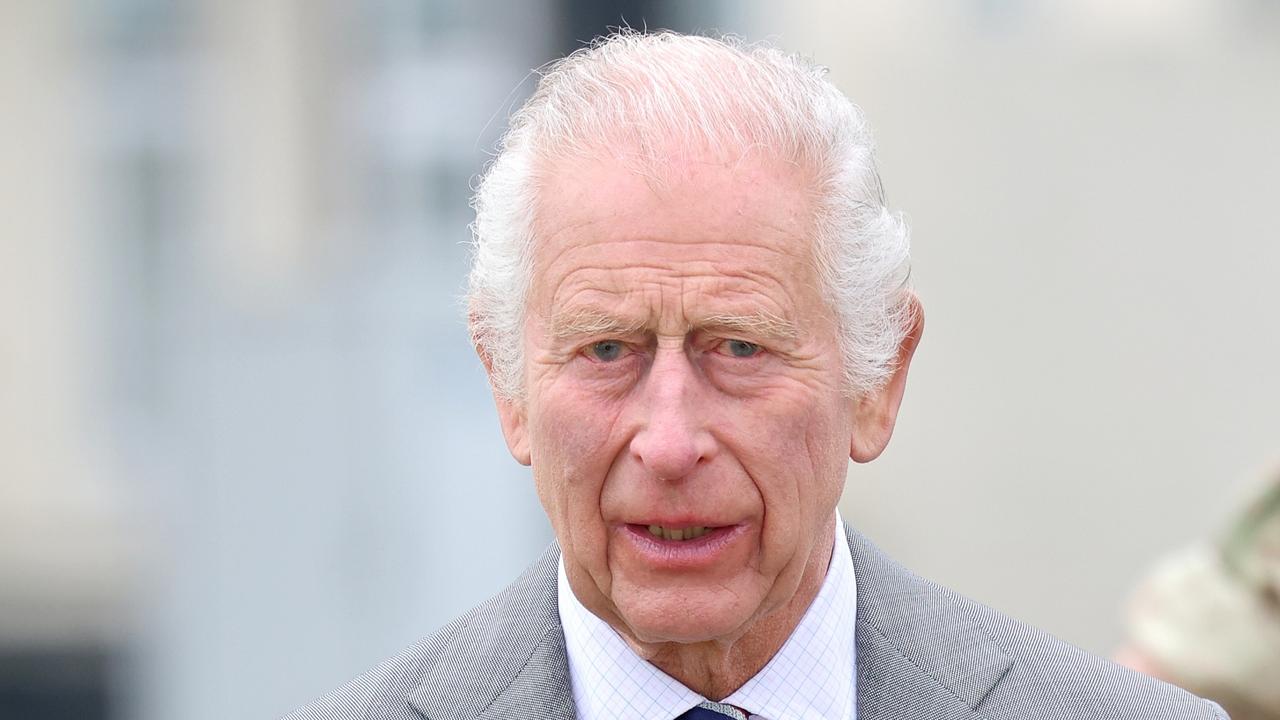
pixel 606 350
pixel 741 348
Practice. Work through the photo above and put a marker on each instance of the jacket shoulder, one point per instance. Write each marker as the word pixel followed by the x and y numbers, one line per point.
pixel 383 691
pixel 999 667
pixel 1050 678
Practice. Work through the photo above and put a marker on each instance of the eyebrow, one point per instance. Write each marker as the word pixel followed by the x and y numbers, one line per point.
pixel 593 322
pixel 590 322
pixel 762 324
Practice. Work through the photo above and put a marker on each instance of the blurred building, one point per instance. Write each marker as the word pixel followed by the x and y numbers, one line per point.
pixel 242 435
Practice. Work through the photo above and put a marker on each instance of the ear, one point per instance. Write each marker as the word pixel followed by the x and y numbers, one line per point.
pixel 511 415
pixel 874 415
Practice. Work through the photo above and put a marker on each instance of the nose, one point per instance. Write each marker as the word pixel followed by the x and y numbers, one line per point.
pixel 673 437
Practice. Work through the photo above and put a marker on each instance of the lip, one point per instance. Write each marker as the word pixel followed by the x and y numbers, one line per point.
pixel 698 553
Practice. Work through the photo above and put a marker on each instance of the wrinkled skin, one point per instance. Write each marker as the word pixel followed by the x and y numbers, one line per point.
pixel 682 368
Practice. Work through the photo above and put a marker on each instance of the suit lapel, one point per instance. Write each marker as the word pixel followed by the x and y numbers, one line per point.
pixel 507 660
pixel 918 654
pixel 541 688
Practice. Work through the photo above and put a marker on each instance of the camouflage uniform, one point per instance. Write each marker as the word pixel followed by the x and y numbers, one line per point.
pixel 1208 618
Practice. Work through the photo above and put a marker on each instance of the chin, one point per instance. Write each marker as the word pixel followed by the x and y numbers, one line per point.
pixel 684 617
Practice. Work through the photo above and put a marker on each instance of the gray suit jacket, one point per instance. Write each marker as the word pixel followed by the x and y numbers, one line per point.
pixel 923 652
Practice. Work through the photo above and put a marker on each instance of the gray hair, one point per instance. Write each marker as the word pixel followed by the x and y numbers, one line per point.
pixel 643 91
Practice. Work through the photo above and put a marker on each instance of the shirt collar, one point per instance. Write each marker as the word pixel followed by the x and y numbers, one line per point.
pixel 811 677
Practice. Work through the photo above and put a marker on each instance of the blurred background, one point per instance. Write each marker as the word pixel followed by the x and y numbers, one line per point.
pixel 246 450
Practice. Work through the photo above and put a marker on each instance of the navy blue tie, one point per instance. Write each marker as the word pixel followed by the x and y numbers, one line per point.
pixel 702 712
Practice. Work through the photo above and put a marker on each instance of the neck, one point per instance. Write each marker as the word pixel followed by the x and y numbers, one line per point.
pixel 716 668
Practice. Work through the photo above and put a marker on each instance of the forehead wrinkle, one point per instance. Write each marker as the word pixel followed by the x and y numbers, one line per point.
pixel 603 248
pixel 611 271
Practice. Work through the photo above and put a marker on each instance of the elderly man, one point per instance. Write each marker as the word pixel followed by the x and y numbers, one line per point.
pixel 694 310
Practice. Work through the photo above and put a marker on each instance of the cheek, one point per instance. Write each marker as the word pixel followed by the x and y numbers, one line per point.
pixel 827 437
pixel 796 454
pixel 572 449
pixel 804 438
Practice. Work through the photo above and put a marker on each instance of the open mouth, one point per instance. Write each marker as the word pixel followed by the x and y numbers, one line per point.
pixel 683 548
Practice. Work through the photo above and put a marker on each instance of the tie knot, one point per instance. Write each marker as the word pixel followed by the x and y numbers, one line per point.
pixel 713 711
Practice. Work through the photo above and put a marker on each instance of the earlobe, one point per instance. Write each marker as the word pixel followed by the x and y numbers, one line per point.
pixel 511 414
pixel 875 415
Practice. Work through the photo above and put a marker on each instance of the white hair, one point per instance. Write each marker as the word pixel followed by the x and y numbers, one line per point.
pixel 643 91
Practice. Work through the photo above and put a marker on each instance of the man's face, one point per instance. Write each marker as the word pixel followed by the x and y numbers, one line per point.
pixel 684 415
